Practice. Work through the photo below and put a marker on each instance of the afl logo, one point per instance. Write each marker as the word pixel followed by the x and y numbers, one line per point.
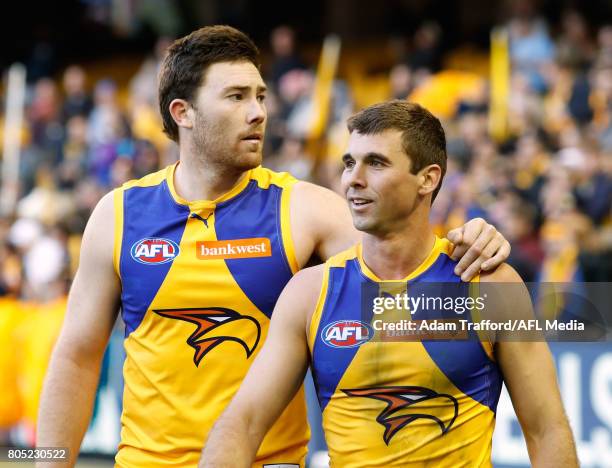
pixel 154 251
pixel 346 334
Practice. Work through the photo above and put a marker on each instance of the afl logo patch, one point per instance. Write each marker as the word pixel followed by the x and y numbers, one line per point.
pixel 154 251
pixel 347 334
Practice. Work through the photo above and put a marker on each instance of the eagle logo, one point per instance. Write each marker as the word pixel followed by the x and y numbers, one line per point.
pixel 216 325
pixel 406 404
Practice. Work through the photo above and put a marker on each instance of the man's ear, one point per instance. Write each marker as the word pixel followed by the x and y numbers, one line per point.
pixel 429 178
pixel 182 113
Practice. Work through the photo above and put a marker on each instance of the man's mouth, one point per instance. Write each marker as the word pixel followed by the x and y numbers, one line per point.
pixel 255 137
pixel 358 202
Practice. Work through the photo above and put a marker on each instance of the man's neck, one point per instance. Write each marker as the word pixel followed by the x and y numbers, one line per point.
pixel 395 255
pixel 196 180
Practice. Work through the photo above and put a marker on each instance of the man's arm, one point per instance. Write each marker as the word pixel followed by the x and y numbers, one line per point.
pixel 321 224
pixel 272 380
pixel 529 374
pixel 72 378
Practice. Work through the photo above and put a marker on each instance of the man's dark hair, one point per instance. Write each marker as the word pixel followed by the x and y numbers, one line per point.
pixel 184 67
pixel 423 137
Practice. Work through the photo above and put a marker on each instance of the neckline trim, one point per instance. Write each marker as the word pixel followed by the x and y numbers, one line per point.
pixel 440 246
pixel 202 204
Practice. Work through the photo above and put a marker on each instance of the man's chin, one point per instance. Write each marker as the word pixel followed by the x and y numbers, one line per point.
pixel 249 161
pixel 363 224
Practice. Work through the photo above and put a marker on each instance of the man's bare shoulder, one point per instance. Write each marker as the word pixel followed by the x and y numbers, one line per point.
pixel 321 222
pixel 299 299
pixel 317 202
pixel 106 205
pixel 310 191
pixel 306 283
pixel 99 236
pixel 504 273
pixel 103 215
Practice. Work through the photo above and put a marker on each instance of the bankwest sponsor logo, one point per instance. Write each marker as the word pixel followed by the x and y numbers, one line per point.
pixel 346 334
pixel 235 248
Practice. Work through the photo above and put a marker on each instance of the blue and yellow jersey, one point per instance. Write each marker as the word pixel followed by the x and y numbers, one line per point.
pixel 199 283
pixel 398 403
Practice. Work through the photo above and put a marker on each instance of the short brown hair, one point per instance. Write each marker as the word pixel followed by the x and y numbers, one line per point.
pixel 423 138
pixel 182 70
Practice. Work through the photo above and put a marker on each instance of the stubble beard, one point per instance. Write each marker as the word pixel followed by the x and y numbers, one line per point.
pixel 210 147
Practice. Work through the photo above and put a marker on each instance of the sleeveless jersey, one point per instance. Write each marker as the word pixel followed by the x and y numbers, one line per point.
pixel 199 283
pixel 398 403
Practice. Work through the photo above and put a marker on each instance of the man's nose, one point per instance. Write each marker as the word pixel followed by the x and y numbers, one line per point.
pixel 356 177
pixel 257 112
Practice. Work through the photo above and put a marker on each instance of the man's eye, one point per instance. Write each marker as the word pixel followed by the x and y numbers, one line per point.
pixel 236 97
pixel 349 163
pixel 261 98
pixel 376 163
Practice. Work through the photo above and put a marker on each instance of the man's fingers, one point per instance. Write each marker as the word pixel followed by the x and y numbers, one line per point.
pixel 500 257
pixel 476 250
pixel 464 236
pixel 488 252
pixel 455 235
pixel 474 228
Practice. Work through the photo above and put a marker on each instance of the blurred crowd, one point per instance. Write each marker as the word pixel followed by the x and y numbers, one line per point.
pixel 546 183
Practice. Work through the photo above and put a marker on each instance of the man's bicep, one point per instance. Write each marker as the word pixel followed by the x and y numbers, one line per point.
pixel 524 357
pixel 321 222
pixel 529 374
pixel 93 300
pixel 279 369
pixel 273 379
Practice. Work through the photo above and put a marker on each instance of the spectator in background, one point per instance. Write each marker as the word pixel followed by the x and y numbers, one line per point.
pixel 144 82
pixel 75 153
pixel 143 107
pixel 43 115
pixel 10 263
pixel 107 129
pixel 518 223
pixel 575 48
pixel 531 48
pixel 292 158
pixel 45 130
pixel 146 159
pixel 285 57
pixel 426 50
pixel 295 90
pixel 86 195
pixel 45 203
pixel 590 222
pixel 604 42
pixel 400 81
pixel 530 161
pixel 77 101
pixel 592 188
pixel 600 99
